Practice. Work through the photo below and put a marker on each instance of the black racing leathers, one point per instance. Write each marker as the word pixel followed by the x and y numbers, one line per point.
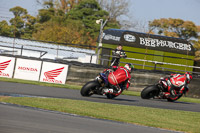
pixel 117 54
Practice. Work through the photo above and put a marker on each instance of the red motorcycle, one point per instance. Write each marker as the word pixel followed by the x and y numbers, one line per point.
pixel 98 86
pixel 156 91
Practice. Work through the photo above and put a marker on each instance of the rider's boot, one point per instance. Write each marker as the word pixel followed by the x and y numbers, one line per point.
pixel 162 95
pixel 166 95
pixel 107 90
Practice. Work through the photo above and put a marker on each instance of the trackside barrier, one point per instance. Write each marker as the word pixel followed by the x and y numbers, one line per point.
pixel 15 50
pixel 7 65
pixel 155 63
pixel 45 50
pixel 77 73
pixel 36 70
pixel 54 73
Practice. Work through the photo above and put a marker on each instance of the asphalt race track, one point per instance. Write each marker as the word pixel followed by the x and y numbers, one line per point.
pixel 44 91
pixel 22 119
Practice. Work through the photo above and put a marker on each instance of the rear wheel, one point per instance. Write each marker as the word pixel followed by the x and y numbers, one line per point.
pixel 88 89
pixel 150 92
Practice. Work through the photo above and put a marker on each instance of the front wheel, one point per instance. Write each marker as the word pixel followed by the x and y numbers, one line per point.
pixel 170 100
pixel 88 89
pixel 150 92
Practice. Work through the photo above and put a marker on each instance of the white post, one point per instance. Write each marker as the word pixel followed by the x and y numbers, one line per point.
pixel 100 37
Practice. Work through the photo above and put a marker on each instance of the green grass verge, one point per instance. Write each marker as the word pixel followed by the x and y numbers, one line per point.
pixel 162 118
pixel 68 86
pixel 41 83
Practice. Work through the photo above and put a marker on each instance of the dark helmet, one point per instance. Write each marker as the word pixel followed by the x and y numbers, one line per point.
pixel 129 67
pixel 188 77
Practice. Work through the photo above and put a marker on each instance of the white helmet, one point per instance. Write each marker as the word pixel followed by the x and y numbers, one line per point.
pixel 129 67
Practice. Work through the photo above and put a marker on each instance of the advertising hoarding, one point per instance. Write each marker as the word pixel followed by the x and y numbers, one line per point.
pixel 27 69
pixel 150 41
pixel 6 66
pixel 54 73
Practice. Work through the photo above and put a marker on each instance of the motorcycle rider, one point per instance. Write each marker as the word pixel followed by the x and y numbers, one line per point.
pixel 117 54
pixel 119 78
pixel 176 85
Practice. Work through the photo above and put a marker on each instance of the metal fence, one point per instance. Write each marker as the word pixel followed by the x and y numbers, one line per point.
pixel 156 65
pixel 47 50
pixel 44 50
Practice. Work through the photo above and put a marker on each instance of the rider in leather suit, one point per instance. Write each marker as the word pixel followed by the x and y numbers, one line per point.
pixel 119 78
pixel 176 85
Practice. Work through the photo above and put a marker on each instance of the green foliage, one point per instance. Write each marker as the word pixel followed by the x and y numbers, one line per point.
pixel 174 28
pixel 78 25
pixel 178 28
pixel 69 31
pixel 18 11
pixel 5 29
pixel 22 25
pixel 70 22
pixel 88 11
pixel 47 13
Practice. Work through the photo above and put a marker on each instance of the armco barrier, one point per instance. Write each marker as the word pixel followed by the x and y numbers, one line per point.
pixel 80 73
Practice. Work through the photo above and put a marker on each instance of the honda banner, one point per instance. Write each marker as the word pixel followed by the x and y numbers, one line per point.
pixel 27 69
pixel 6 66
pixel 54 73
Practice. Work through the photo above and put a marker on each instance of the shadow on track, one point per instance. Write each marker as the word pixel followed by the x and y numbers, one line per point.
pixel 165 101
pixel 114 99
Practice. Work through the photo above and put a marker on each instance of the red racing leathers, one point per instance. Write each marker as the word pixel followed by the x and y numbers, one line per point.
pixel 176 85
pixel 120 78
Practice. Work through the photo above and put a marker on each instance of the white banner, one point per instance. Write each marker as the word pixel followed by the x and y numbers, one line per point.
pixel 54 73
pixel 6 66
pixel 27 69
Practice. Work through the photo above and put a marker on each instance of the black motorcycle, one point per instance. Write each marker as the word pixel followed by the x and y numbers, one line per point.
pixel 97 86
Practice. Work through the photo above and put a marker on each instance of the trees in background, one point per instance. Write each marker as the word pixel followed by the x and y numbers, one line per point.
pixel 5 28
pixel 115 8
pixel 67 32
pixel 174 28
pixel 65 21
pixel 119 12
pixel 74 21
pixel 178 28
pixel 70 25
pixel 22 25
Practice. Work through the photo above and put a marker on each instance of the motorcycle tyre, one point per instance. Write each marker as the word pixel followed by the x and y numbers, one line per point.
pixel 149 92
pixel 170 100
pixel 88 87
